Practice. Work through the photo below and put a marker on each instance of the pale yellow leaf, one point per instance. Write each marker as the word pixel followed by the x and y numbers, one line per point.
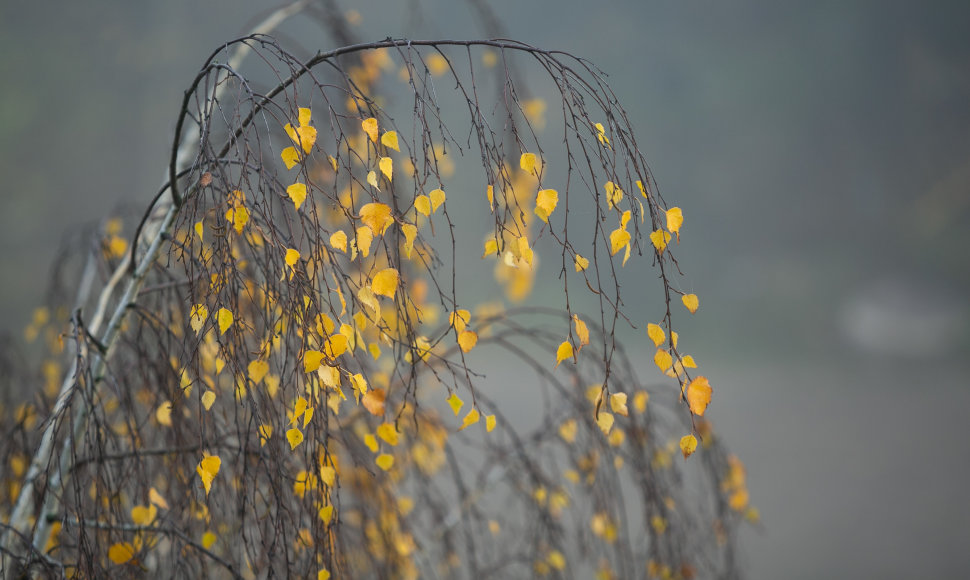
pixel 437 197
pixel 691 302
pixel 389 139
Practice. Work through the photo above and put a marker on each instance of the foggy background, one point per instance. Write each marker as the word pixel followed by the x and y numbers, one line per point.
pixel 820 151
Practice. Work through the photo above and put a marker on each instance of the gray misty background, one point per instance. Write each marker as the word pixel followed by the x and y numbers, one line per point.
pixel 821 153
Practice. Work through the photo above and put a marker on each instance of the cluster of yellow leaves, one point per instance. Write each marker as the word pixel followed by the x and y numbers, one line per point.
pixel 660 238
pixel 304 135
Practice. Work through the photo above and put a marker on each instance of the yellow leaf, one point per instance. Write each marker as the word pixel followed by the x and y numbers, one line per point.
pixel 688 444
pixel 207 469
pixel 459 319
pixel 365 236
pixel 372 179
pixel 546 201
pixel 467 339
pixel 370 127
pixel 691 302
pixel 371 442
pixel 121 552
pixel 699 395
pixel 297 193
pixel 307 136
pixel 208 399
pixel 338 241
pixel 656 334
pixel 198 229
pixel 491 247
pixel 388 432
pixel 335 346
pixel 164 414
pixel 238 217
pixel 490 194
pixel 568 431
pixel 489 423
pixel 303 116
pixel 208 539
pixel 410 232
pixel 605 422
pixel 689 361
pixel 377 216
pixel 525 252
pixel 659 239
pixel 292 257
pixel 312 360
pixel 386 164
pixel 326 514
pixel 307 415
pixel 265 432
pixel 423 205
pixel 564 351
pixel 156 499
pixel 257 370
pixel 618 404
pixel 625 218
pixel 581 331
pixel 455 403
pixel 640 401
pixel 290 157
pixel 389 139
pixel 613 194
pixel 143 515
pixel 295 437
pixel 324 574
pixel 385 282
pixel 385 461
pixel 437 198
pixel 225 319
pixel 333 162
pixel 662 359
pixel 581 263
pixel 619 238
pixel 528 162
pixel 675 219
pixel 470 419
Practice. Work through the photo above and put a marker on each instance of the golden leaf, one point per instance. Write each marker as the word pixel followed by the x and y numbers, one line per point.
pixel 467 339
pixel 295 437
pixel 297 193
pixel 691 302
pixel 377 216
pixel 581 263
pixel 546 201
pixel 564 351
pixel 688 444
pixel 699 395
pixel 385 282
pixel 656 334
pixel 385 461
pixel 437 197
pixel 370 127
pixel 225 320
pixel 207 470
pixel 619 238
pixel 528 162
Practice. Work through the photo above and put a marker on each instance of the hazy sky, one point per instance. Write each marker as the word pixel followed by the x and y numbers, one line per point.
pixel 821 153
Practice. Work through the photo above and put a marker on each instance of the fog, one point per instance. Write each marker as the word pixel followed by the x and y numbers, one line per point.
pixel 821 154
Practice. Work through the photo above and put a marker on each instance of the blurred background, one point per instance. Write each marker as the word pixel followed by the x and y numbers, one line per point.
pixel 820 151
